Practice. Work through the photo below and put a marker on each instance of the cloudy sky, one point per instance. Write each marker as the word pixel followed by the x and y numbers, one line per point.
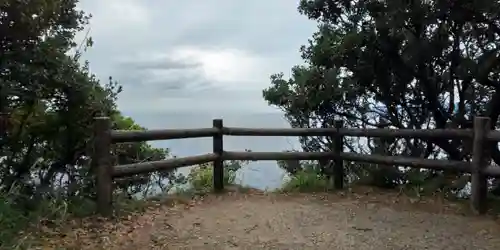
pixel 183 63
pixel 213 55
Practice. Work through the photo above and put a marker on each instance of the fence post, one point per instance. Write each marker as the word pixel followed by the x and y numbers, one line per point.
pixel 101 161
pixel 218 149
pixel 338 167
pixel 479 185
pixel 4 124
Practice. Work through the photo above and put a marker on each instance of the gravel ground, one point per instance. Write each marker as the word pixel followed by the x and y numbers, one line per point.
pixel 278 221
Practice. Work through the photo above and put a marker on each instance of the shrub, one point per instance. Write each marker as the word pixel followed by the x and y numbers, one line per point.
pixel 19 214
pixel 200 177
pixel 307 180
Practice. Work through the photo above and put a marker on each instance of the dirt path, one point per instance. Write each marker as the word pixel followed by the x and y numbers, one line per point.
pixel 293 222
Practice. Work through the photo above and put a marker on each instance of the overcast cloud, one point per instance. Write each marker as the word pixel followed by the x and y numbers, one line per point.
pixel 183 63
pixel 191 55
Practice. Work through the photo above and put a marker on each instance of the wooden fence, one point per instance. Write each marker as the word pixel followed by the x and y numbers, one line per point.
pixel 480 136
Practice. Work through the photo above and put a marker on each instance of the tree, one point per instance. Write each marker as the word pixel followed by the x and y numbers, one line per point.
pixel 414 64
pixel 51 99
pixel 127 153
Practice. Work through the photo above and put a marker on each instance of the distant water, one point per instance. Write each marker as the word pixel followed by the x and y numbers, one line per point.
pixel 261 175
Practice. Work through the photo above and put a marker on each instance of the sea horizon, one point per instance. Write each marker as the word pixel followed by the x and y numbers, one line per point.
pixel 264 175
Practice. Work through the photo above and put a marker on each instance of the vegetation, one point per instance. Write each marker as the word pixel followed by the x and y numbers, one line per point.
pixel 200 178
pixel 306 181
pixel 365 65
pixel 396 64
pixel 48 100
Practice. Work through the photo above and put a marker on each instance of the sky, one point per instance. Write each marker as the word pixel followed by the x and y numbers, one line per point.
pixel 184 63
pixel 191 55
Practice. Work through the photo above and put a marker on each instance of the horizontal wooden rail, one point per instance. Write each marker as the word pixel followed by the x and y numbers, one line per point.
pixel 408 133
pixel 479 137
pixel 408 162
pixel 130 179
pixel 375 159
pixel 493 135
pixel 119 136
pixel 491 171
pixel 275 156
pixel 170 164
pixel 160 134
pixel 413 162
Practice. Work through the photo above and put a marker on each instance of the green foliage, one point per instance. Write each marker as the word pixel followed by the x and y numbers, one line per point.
pixel 307 180
pixel 396 64
pixel 48 102
pixel 50 212
pixel 200 177
pixel 12 220
pixel 126 153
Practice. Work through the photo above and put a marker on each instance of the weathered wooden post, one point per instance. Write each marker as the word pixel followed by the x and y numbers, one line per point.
pixel 479 185
pixel 4 124
pixel 101 161
pixel 218 149
pixel 338 167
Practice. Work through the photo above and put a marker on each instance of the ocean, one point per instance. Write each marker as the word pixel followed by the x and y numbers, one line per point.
pixel 265 175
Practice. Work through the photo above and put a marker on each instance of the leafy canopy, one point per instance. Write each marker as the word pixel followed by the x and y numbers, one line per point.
pixel 401 64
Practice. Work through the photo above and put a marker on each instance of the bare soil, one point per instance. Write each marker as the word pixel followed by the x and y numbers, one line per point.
pixel 298 221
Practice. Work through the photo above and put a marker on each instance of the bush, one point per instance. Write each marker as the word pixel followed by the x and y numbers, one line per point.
pixel 307 180
pixel 19 214
pixel 200 177
pixel 12 220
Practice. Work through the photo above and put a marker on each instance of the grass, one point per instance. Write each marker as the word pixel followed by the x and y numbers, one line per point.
pixel 306 181
pixel 201 178
pixel 200 181
pixel 12 220
pixel 18 225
